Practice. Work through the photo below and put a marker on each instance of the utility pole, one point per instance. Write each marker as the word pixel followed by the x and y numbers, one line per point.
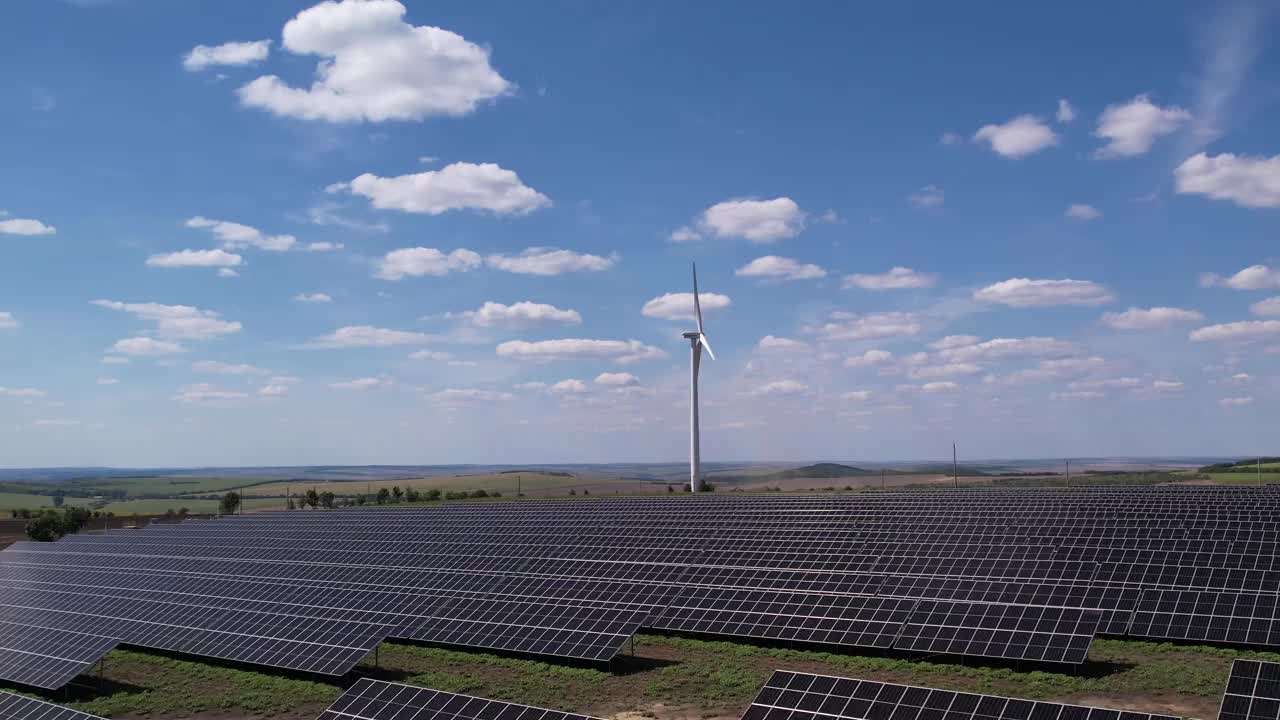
pixel 955 467
pixel 881 478
pixel 1068 462
pixel 1259 466
pixel 517 486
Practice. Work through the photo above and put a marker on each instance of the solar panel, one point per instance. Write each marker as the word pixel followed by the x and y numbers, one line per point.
pixel 379 700
pixel 1208 616
pixel 18 707
pixel 801 696
pixel 45 657
pixel 1016 632
pixel 1253 691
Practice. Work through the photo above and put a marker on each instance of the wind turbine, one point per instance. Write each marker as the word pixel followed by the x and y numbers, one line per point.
pixel 697 341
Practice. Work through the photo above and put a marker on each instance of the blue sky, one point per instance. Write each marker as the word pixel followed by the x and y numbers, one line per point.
pixel 286 233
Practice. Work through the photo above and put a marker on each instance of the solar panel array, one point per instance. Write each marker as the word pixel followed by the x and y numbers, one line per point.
pixel 1015 575
pixel 18 707
pixel 379 700
pixel 801 696
pixel 1253 691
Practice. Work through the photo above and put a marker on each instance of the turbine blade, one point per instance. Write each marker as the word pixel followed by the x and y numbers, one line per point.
pixel 703 340
pixel 697 306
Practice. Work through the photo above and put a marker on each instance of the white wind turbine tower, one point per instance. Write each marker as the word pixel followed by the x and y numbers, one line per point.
pixel 697 341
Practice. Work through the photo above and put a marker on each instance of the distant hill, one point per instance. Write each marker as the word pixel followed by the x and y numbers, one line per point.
pixel 1250 465
pixel 822 470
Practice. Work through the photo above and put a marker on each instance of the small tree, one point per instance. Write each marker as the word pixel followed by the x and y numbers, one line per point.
pixel 383 496
pixel 326 499
pixel 58 500
pixel 572 491
pixel 361 499
pixel 397 492
pixel 312 498
pixel 586 491
pixel 230 503
pixel 44 528
pixel 670 489
pixel 433 494
pixel 412 495
pixel 290 505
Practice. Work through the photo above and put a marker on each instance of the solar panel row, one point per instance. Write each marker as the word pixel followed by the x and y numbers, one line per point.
pixel 18 707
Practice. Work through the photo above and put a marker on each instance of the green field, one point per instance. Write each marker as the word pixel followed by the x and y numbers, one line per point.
pixel 668 678
pixel 24 500
pixel 504 483
pixel 196 506
pixel 164 486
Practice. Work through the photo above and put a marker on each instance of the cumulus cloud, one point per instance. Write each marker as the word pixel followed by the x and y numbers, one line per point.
pixel 1077 395
pixel 550 261
pixel 1021 136
pixel 856 395
pixel 459 186
pixel 869 358
pixel 1150 318
pixel 770 343
pixel 848 326
pixel 780 388
pixel 519 315
pixel 273 390
pixel 421 261
pixel 1243 331
pixel 1131 128
pixel 760 221
pixel 1236 401
pixel 1080 211
pixel 364 383
pixel 23 226
pixel 940 386
pixel 1066 113
pixel 781 268
pixel 954 341
pixel 679 306
pixel 459 396
pixel 206 393
pixel 1254 277
pixel 235 236
pixel 1024 292
pixel 1007 347
pixel 215 367
pixel 1166 385
pixel 1266 308
pixel 375 67
pixel 429 355
pixel 146 346
pixel 898 278
pixel 352 336
pixel 230 53
pixel 569 386
pixel 928 196
pixel 943 371
pixel 1252 182
pixel 618 379
pixel 8 321
pixel 21 392
pixel 318 297
pixel 620 351
pixel 176 322
pixel 1119 383
pixel 195 258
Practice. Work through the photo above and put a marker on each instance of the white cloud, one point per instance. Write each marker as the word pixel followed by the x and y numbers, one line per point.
pixel 23 226
pixel 322 246
pixel 1236 401
pixel 1119 383
pixel 928 196
pixel 7 321
pixel 146 346
pixel 115 360
pixel 684 234
pixel 941 386
pixel 519 315
pixel 429 355
pixel 780 387
pixel 1166 385
pixel 898 278
pixel 943 371
pixel 1254 277
pixel 773 266
pixel 1076 395
pixel 856 395
pixel 869 358
pixel 375 67
pixel 1247 181
pixel 1007 347
pixel 550 261
pixel 1266 308
pixel 364 383
pixel 1080 211
pixel 770 343
pixel 235 236
pixel 1021 136
pixel 206 393
pixel 108 381
pixel 1132 127
pixel 954 341
pixel 230 53
pixel 679 306
pixel 227 273
pixel 215 367
pixel 1066 113
pixel 469 395
pixel 21 392
pixel 312 298
pixel 619 379
pixel 570 386
pixel 620 351
pixel 459 186
pixel 273 390
pixel 57 422
pixel 1242 331
pixel 848 326
pixel 195 258
pixel 760 221
pixel 421 261
pixel 1150 318
pixel 176 322
pixel 1023 292
pixel 352 336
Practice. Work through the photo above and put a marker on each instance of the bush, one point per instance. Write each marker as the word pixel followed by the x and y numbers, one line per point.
pixel 44 528
pixel 383 495
pixel 326 499
pixel 433 494
pixel 412 495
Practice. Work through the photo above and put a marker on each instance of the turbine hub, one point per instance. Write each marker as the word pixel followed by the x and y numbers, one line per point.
pixel 691 335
